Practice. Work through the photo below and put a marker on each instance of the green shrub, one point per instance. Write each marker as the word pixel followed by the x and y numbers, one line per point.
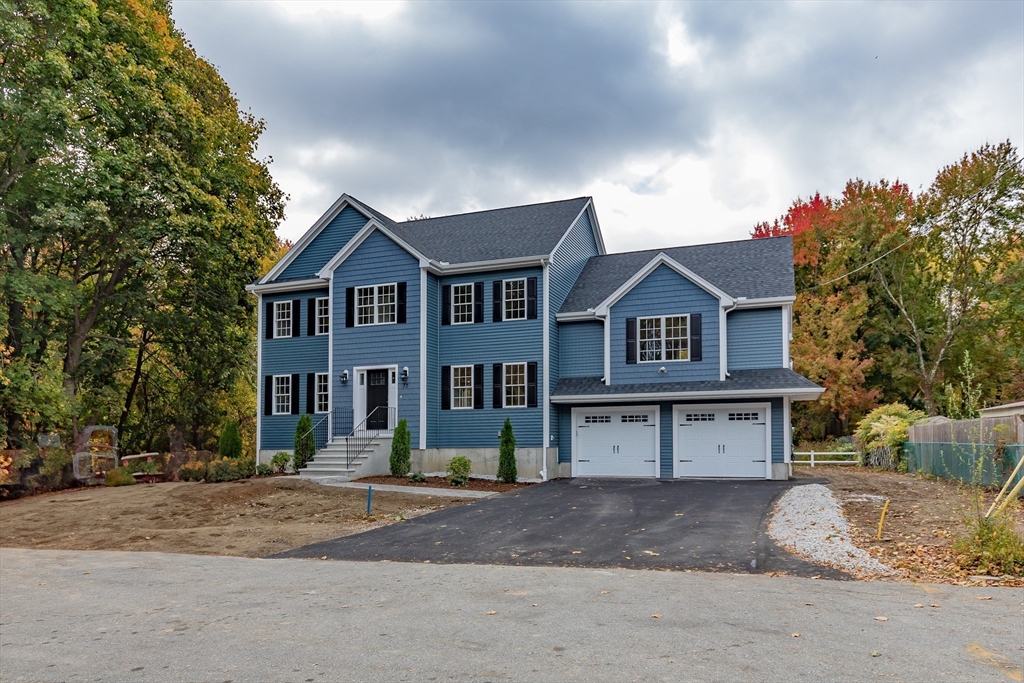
pixel 119 476
pixel 992 546
pixel 417 477
pixel 507 472
pixel 55 472
pixel 264 470
pixel 224 469
pixel 305 443
pixel 401 461
pixel 458 470
pixel 886 426
pixel 280 461
pixel 246 467
pixel 230 445
pixel 140 465
pixel 192 471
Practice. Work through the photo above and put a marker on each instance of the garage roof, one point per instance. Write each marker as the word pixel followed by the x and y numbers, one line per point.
pixel 762 381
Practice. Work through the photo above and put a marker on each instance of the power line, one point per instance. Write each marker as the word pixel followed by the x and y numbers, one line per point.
pixel 857 269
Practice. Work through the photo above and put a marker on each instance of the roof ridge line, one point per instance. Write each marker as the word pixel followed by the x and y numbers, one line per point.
pixel 500 208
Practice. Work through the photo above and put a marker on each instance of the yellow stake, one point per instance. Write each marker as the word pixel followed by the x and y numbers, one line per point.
pixel 882 520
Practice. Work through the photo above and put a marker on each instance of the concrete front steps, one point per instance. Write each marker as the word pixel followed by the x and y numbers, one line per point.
pixel 330 461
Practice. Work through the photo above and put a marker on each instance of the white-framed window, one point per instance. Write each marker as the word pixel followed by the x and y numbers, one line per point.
pixel 515 385
pixel 322 401
pixel 282 394
pixel 282 319
pixel 664 338
pixel 376 304
pixel 462 386
pixel 515 299
pixel 462 304
pixel 323 315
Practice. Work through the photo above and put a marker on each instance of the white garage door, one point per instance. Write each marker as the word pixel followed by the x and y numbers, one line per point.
pixel 616 443
pixel 721 441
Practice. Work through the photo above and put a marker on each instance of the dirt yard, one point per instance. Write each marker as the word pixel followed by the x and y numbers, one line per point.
pixel 924 516
pixel 442 483
pixel 250 518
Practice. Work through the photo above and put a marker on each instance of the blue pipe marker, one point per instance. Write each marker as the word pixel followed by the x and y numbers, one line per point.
pixel 369 498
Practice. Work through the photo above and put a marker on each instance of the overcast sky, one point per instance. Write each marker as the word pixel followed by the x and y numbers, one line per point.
pixel 686 123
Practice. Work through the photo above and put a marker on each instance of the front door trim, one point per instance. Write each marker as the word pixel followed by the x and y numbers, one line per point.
pixel 359 390
pixel 678 408
pixel 605 410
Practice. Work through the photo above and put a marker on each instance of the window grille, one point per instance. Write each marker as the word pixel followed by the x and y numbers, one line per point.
pixel 322 404
pixel 282 319
pixel 700 417
pixel 462 304
pixel 282 394
pixel 462 386
pixel 515 299
pixel 323 316
pixel 515 385
pixel 597 419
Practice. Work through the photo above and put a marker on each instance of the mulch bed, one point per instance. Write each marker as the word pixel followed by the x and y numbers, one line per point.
pixel 473 484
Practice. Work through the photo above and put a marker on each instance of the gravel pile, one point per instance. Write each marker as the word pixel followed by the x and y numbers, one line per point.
pixel 809 522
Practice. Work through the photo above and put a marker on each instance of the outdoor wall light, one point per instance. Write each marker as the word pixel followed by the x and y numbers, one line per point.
pixel 405 376
pixel 344 376
pixel 662 369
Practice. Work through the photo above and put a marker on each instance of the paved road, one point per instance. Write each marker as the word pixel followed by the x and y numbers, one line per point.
pixel 77 616
pixel 634 524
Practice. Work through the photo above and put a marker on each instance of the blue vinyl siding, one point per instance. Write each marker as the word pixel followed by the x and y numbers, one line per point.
pixel 324 246
pixel 581 349
pixel 567 263
pixel 488 343
pixel 665 292
pixel 564 433
pixel 285 357
pixel 754 339
pixel 378 260
pixel 433 371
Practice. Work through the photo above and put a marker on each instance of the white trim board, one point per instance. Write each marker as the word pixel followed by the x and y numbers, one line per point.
pixel 546 403
pixel 719 406
pixel 289 286
pixel 662 259
pixel 423 357
pixel 618 409
pixel 794 394
pixel 359 397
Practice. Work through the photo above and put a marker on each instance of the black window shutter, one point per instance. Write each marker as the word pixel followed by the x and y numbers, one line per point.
pixel 695 350
pixel 531 298
pixel 350 306
pixel 268 395
pixel 310 388
pixel 269 320
pixel 497 380
pixel 446 304
pixel 400 306
pixel 446 387
pixel 630 341
pixel 297 318
pixel 531 385
pixel 295 394
pixel 311 317
pixel 478 302
pixel 498 300
pixel 478 384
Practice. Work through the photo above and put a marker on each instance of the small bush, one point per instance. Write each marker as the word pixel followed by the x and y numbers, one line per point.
pixel 224 469
pixel 886 426
pixel 56 470
pixel 992 546
pixel 192 471
pixel 246 467
pixel 417 477
pixel 400 461
pixel 119 476
pixel 230 445
pixel 458 470
pixel 264 470
pixel 305 443
pixel 280 461
pixel 140 465
pixel 507 472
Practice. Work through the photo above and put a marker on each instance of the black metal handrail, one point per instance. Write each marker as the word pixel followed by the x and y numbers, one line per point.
pixel 372 426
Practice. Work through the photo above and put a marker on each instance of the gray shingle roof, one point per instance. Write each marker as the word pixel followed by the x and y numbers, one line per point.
pixel 763 379
pixel 513 232
pixel 753 269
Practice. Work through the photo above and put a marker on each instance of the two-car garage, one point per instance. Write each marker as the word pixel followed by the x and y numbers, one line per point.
pixel 708 441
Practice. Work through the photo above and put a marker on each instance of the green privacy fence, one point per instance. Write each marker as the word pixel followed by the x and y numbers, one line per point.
pixel 971 463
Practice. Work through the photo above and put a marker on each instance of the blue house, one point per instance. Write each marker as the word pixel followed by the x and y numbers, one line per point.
pixel 662 363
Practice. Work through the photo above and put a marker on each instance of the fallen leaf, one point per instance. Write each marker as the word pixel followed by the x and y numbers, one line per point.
pixel 492 612
pixel 650 552
pixel 918 605
pixel 984 597
pixel 935 605
pixel 605 592
pixel 324 557
pixel 809 604
pixel 576 552
pixel 876 654
pixel 655 616
pixel 534 604
pixel 796 635
pixel 881 618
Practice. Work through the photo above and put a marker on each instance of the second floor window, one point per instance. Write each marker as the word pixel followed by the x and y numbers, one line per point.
pixel 515 299
pixel 462 304
pixel 663 339
pixel 462 386
pixel 323 316
pixel 282 319
pixel 376 304
pixel 515 385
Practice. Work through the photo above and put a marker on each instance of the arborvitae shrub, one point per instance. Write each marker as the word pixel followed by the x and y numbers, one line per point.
pixel 305 443
pixel 230 445
pixel 401 461
pixel 507 472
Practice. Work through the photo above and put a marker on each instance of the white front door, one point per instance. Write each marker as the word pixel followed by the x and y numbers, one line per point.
pixel 615 442
pixel 722 440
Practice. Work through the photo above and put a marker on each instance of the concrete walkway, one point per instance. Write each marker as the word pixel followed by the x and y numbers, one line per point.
pixel 76 616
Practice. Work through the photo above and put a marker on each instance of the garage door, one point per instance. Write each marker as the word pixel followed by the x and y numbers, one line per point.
pixel 616 443
pixel 721 441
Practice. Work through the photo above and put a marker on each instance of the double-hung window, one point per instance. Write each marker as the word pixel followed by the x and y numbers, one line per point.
pixel 515 385
pixel 282 319
pixel 323 316
pixel 376 304
pixel 664 338
pixel 462 386
pixel 515 299
pixel 462 304
pixel 322 405
pixel 282 394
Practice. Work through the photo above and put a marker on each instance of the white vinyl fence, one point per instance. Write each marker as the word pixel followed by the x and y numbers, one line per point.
pixel 817 454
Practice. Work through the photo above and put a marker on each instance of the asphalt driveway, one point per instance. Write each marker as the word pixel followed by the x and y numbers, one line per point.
pixel 637 524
